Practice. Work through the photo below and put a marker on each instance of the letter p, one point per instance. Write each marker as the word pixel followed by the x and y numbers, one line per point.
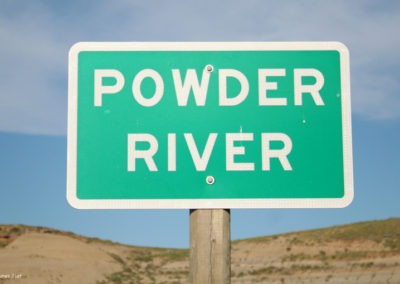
pixel 100 89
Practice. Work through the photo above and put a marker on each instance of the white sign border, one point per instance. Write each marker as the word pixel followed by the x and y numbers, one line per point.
pixel 243 203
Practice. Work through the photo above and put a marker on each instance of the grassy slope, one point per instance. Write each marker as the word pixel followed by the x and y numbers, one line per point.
pixel 386 232
pixel 366 247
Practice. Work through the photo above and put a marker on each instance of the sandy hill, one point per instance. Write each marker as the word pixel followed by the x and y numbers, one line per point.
pixel 367 252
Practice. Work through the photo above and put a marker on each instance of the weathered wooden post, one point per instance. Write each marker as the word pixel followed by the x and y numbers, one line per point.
pixel 210 249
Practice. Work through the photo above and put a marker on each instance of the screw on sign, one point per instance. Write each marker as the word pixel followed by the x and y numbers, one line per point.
pixel 210 180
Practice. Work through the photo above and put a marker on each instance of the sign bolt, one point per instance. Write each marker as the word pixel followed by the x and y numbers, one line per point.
pixel 209 68
pixel 210 180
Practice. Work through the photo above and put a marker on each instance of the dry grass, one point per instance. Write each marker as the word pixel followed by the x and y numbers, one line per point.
pixel 357 253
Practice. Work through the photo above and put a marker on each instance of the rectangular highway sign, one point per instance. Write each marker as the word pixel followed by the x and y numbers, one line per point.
pixel 209 125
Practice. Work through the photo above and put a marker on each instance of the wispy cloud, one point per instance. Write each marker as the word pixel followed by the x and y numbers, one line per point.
pixel 35 38
pixel 32 68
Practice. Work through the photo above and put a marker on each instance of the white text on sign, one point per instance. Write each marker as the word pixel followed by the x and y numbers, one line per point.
pixel 200 160
pixel 199 88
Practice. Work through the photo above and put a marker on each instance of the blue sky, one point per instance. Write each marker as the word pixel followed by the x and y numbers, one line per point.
pixel 35 38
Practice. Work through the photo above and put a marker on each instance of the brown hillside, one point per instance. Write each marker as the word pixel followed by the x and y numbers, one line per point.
pixel 367 252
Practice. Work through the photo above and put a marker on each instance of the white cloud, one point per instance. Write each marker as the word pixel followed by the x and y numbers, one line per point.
pixel 31 100
pixel 36 36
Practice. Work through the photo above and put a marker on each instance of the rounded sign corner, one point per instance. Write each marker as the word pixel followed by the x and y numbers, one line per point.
pixel 76 48
pixel 346 200
pixel 342 48
pixel 75 202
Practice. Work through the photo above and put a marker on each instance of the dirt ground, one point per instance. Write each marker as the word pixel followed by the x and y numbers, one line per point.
pixel 359 253
pixel 47 258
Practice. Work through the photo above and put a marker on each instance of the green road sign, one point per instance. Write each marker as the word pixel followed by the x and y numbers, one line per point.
pixel 209 125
